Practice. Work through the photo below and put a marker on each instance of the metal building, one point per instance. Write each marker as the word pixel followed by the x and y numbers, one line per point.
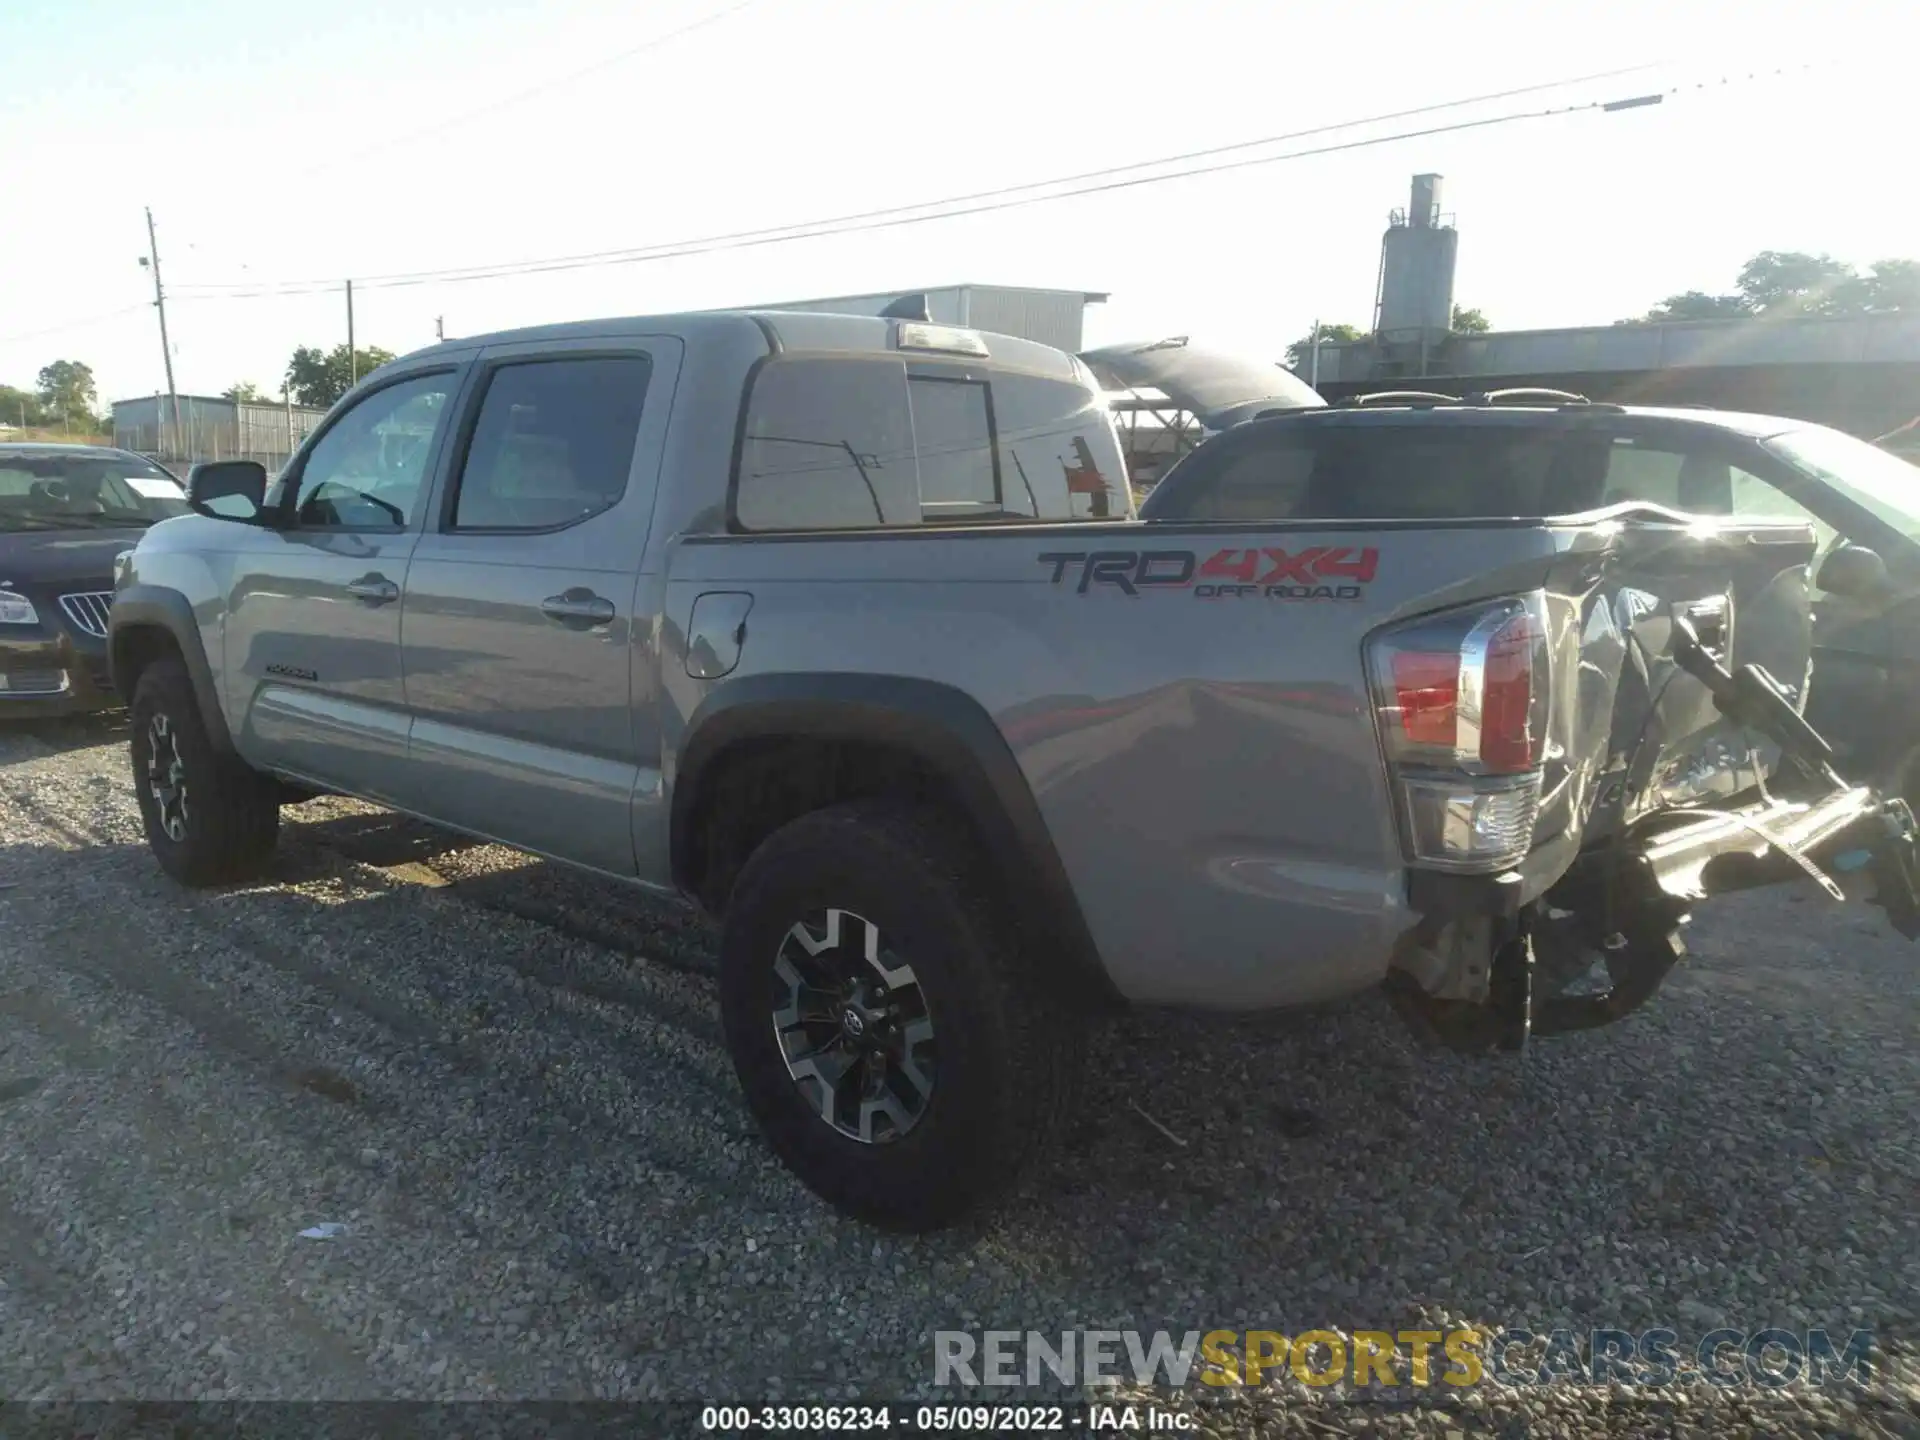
pixel 1048 317
pixel 211 427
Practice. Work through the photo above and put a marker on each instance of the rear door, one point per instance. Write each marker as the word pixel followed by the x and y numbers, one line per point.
pixel 312 630
pixel 519 636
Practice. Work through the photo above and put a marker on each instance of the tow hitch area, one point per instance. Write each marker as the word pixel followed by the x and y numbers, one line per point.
pixel 1484 971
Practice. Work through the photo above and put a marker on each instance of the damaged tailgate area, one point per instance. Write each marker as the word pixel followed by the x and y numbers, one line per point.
pixel 1712 782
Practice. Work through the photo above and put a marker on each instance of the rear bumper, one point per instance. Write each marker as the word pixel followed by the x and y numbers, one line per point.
pixel 1690 857
pixel 49 675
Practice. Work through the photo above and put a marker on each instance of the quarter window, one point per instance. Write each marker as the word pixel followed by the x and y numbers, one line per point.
pixel 553 443
pixel 367 471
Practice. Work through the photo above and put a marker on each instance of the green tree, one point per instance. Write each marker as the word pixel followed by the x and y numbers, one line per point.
pixel 19 407
pixel 67 391
pixel 1893 285
pixel 246 392
pixel 1469 322
pixel 320 377
pixel 1696 305
pixel 1300 352
pixel 1790 282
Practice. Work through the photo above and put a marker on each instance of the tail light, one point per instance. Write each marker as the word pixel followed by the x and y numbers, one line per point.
pixel 1462 700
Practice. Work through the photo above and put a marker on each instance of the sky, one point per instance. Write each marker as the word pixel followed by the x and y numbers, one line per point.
pixel 364 138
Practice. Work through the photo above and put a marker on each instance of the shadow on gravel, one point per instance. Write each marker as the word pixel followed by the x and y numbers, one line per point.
pixel 22 740
pixel 379 837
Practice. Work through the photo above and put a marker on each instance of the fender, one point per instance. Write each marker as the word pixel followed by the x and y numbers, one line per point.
pixel 945 729
pixel 156 607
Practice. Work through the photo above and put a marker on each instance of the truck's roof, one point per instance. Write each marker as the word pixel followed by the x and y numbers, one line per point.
pixel 790 330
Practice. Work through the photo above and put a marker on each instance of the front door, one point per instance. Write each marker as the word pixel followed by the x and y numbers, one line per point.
pixel 313 621
pixel 527 669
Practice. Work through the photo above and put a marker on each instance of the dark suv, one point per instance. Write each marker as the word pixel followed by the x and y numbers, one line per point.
pixel 65 512
pixel 1513 453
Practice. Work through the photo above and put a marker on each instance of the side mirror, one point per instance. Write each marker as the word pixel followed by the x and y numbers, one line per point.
pixel 1853 571
pixel 228 489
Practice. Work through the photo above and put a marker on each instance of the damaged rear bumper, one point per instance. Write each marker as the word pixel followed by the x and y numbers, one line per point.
pixel 1489 967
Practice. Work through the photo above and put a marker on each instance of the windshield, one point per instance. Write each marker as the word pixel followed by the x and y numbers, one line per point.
pixel 74 492
pixel 1884 485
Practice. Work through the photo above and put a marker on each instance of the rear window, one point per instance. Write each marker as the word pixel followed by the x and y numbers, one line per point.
pixel 1412 472
pixel 842 444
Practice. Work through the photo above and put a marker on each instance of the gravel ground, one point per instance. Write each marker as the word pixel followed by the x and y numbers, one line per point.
pixel 508 1085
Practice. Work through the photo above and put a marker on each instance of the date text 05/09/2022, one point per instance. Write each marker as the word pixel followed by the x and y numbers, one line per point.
pixel 1085 1419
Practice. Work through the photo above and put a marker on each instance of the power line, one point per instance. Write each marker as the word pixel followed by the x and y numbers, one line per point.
pixel 1009 198
pixel 993 193
pixel 521 96
pixel 75 324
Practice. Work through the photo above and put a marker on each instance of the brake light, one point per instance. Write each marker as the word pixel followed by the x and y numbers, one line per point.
pixel 1510 740
pixel 1428 689
pixel 1462 704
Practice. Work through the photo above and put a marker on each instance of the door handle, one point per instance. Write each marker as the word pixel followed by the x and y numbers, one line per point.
pixel 577 607
pixel 374 589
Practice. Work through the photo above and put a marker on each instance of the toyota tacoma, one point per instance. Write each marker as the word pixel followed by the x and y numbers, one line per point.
pixel 845 628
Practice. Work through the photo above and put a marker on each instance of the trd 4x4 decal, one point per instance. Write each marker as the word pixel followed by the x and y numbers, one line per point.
pixel 1320 572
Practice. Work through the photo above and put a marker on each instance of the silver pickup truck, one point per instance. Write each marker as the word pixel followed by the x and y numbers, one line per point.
pixel 846 629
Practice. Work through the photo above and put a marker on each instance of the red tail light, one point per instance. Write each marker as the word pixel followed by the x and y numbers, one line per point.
pixel 1428 689
pixel 1462 699
pixel 1510 732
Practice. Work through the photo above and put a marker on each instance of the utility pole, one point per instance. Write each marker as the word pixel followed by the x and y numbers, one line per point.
pixel 160 304
pixel 353 360
pixel 440 327
pixel 1313 369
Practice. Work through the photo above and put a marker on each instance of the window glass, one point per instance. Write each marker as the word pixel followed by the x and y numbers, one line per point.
pixel 1059 456
pixel 367 470
pixel 79 491
pixel 837 444
pixel 1266 481
pixel 1691 480
pixel 1635 472
pixel 1329 472
pixel 1754 496
pixel 1882 484
pixel 953 439
pixel 828 446
pixel 553 443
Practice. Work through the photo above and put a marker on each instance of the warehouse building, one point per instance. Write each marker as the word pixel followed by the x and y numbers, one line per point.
pixel 211 427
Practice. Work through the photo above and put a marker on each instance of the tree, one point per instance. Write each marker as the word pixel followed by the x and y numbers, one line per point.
pixel 1697 305
pixel 246 392
pixel 67 391
pixel 1469 322
pixel 320 377
pixel 1790 282
pixel 19 407
pixel 1300 352
pixel 1893 285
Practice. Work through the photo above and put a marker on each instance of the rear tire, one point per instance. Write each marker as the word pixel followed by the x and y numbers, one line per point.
pixel 210 819
pixel 980 1066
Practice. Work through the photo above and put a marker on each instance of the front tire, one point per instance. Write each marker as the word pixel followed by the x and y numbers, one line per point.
pixel 209 818
pixel 893 1044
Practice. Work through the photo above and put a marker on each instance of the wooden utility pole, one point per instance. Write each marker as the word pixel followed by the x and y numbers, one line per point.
pixel 353 360
pixel 160 304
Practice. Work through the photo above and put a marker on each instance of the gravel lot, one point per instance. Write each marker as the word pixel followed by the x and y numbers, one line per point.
pixel 508 1084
